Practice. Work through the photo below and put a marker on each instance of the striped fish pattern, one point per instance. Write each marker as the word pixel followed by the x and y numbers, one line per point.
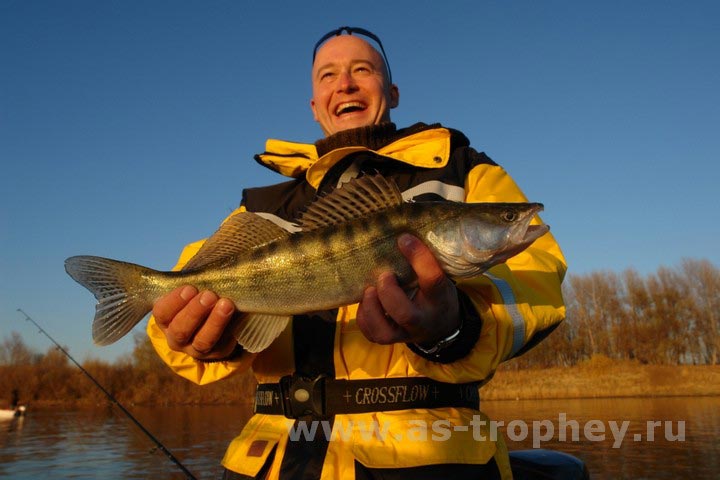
pixel 343 242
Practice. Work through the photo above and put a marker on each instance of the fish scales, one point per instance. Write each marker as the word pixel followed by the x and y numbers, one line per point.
pixel 271 275
pixel 342 262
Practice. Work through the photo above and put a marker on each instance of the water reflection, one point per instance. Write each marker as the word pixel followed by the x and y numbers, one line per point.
pixel 102 443
pixel 644 450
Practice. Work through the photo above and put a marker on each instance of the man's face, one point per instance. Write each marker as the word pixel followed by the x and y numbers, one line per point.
pixel 350 86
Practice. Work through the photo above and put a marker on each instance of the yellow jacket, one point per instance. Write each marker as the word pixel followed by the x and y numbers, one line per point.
pixel 519 303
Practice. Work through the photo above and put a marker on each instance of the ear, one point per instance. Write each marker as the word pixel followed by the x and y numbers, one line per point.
pixel 394 96
pixel 314 110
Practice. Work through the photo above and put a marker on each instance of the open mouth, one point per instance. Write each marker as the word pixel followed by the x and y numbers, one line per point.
pixel 534 232
pixel 525 234
pixel 349 107
pixel 523 240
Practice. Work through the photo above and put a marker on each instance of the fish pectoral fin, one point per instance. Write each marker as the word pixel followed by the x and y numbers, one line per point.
pixel 241 233
pixel 256 331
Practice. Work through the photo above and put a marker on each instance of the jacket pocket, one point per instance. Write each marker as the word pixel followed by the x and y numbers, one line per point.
pixel 252 452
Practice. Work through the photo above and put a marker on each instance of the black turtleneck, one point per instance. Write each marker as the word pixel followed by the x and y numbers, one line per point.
pixel 373 137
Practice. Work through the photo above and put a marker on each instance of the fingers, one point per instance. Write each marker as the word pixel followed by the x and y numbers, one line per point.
pixel 211 331
pixel 431 277
pixel 395 302
pixel 192 317
pixel 165 308
pixel 387 314
pixel 375 324
pixel 194 322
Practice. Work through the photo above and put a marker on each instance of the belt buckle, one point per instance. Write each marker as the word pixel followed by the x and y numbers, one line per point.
pixel 303 395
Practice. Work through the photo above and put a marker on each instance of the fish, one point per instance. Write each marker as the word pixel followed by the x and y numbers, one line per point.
pixel 344 241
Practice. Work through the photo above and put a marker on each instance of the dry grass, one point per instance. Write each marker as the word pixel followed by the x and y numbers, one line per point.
pixel 603 377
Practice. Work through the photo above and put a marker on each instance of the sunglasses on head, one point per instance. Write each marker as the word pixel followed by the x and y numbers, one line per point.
pixel 360 31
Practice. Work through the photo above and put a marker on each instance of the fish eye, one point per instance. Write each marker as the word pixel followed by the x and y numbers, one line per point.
pixel 509 216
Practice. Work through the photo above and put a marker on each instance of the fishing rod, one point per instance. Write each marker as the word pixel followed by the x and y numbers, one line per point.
pixel 112 399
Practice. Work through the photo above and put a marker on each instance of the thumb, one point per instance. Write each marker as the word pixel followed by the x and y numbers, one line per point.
pixel 431 277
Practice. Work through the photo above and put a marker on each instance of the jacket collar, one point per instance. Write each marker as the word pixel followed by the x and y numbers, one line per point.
pixel 420 145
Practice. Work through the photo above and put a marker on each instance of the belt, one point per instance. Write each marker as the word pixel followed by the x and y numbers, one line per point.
pixel 297 396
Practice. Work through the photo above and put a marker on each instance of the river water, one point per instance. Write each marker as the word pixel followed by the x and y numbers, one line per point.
pixel 654 438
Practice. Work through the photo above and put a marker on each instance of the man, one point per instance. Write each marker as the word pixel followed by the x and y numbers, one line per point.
pixel 393 376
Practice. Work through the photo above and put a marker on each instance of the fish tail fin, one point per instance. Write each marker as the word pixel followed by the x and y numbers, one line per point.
pixel 123 291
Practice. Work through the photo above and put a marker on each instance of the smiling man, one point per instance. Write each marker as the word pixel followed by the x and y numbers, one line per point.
pixel 351 87
pixel 357 392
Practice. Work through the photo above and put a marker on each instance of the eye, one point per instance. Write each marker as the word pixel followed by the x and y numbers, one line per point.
pixel 326 75
pixel 362 69
pixel 509 216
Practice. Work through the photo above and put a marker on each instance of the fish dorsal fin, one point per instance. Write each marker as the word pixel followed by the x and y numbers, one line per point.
pixel 241 233
pixel 357 198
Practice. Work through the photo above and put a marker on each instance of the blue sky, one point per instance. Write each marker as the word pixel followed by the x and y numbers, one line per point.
pixel 127 129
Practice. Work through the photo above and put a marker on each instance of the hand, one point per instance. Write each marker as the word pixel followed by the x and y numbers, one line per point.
pixel 386 315
pixel 196 322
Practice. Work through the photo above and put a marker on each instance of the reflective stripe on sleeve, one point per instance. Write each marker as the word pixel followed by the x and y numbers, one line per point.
pixel 517 319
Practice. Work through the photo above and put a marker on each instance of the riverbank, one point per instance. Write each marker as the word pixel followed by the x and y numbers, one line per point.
pixel 599 377
pixel 603 378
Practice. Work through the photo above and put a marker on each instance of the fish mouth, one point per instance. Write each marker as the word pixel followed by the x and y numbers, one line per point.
pixel 533 232
pixel 346 108
pixel 527 237
pixel 525 234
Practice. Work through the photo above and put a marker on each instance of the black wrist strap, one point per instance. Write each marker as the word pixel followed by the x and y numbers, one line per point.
pixel 466 340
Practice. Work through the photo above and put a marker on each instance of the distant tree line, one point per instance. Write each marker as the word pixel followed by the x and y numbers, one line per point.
pixel 667 317
pixel 139 378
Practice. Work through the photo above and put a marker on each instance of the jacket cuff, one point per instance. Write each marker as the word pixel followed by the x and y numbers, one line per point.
pixel 467 337
pixel 237 352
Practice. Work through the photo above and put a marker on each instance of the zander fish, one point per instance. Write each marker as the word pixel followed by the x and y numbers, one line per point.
pixel 346 240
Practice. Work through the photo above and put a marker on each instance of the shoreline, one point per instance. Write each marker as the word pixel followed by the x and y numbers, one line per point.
pixel 601 377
